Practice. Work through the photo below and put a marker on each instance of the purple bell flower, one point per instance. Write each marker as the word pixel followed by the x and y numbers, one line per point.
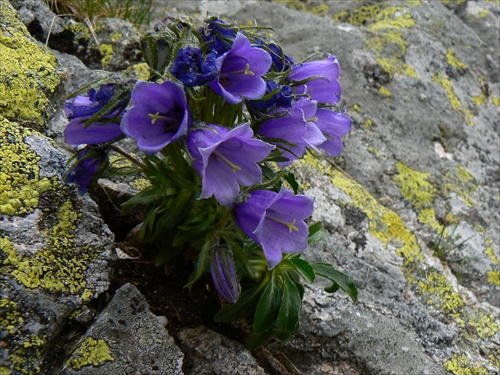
pixel 333 125
pixel 192 69
pixel 325 89
pixel 298 127
pixel 160 115
pixel 87 164
pixel 226 159
pixel 224 274
pixel 218 35
pixel 281 99
pixel 276 222
pixel 281 62
pixel 81 108
pixel 240 72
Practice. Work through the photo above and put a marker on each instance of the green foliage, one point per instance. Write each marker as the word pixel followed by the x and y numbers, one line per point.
pixel 138 12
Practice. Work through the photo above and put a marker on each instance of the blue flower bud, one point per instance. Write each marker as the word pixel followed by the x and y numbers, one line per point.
pixel 223 274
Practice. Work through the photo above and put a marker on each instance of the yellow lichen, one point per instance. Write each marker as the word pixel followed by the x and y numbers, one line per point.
pixel 305 6
pixel 461 182
pixel 10 317
pixel 107 54
pixel 391 17
pixel 461 364
pixel 20 185
pixel 59 267
pixel 368 124
pixel 453 61
pixel 455 102
pixel 414 186
pixel 440 293
pixel 91 352
pixel 374 151
pixel 140 183
pixel 495 101
pixel 384 91
pixel 493 277
pixel 491 254
pixel 28 72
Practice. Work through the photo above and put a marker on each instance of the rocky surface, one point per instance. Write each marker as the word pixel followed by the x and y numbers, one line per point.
pixel 411 206
pixel 126 338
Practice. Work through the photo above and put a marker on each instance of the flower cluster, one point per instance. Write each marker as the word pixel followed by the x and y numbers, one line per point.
pixel 223 112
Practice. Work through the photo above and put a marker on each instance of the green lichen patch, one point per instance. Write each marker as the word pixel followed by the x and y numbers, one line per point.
pixel 91 352
pixel 61 266
pixel 10 318
pixel 28 72
pixel 461 364
pixel 415 187
pixel 438 291
pixel 453 61
pixel 306 6
pixel 460 182
pixel 20 185
pixel 455 102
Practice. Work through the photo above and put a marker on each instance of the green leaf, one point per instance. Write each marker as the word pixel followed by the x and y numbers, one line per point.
pixel 344 282
pixel 244 306
pixel 201 263
pixel 316 233
pixel 304 269
pixel 268 307
pixel 290 178
pixel 145 196
pixel 288 317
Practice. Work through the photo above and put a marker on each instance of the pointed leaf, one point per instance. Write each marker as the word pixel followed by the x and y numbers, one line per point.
pixel 290 178
pixel 288 317
pixel 201 263
pixel 343 281
pixel 268 307
pixel 316 233
pixel 304 269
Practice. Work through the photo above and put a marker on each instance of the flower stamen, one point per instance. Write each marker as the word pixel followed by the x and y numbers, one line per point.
pixel 233 166
pixel 291 226
pixel 157 116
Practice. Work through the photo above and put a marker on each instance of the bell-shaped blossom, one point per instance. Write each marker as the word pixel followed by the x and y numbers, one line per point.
pixel 224 274
pixel 192 68
pixel 160 115
pixel 226 159
pixel 282 99
pixel 325 87
pixel 81 108
pixel 297 127
pixel 281 62
pixel 218 34
pixel 276 222
pixel 333 125
pixel 83 173
pixel 240 72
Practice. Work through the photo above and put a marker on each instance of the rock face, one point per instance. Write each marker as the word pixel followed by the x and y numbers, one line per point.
pixel 412 206
pixel 126 339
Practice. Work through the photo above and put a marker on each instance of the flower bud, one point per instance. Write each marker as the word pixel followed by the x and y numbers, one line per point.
pixel 223 274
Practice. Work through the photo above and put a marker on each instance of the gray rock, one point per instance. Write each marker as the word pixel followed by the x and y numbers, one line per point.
pixel 212 353
pixel 126 338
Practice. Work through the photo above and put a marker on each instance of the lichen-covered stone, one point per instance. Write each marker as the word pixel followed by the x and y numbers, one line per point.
pixel 54 249
pixel 126 339
pixel 29 73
